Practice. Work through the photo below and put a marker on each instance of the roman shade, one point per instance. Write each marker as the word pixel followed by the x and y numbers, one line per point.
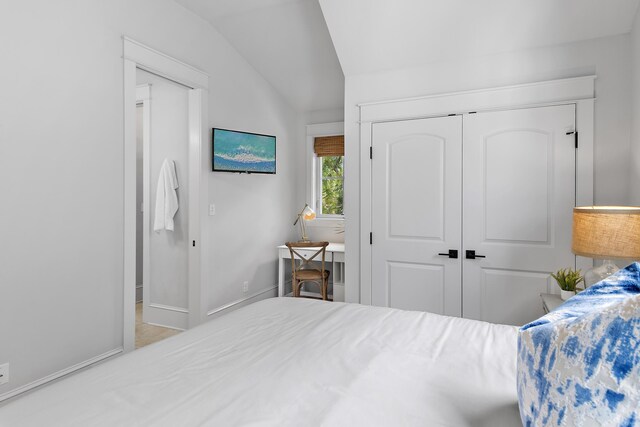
pixel 329 146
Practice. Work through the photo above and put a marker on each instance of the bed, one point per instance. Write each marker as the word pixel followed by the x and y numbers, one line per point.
pixel 297 362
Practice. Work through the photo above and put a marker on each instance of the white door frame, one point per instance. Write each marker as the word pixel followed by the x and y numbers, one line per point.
pixel 143 97
pixel 579 91
pixel 139 56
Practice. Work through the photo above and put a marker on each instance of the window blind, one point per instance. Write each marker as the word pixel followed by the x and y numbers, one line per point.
pixel 329 146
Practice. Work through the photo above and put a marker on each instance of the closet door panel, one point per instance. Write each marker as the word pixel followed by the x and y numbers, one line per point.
pixel 519 192
pixel 416 214
pixel 512 198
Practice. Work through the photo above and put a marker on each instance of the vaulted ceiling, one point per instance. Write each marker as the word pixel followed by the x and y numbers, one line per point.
pixel 376 35
pixel 293 43
pixel 286 41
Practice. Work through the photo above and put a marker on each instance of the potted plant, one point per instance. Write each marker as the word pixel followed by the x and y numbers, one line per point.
pixel 568 279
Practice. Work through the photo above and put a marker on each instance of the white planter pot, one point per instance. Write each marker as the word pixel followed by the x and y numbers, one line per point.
pixel 565 295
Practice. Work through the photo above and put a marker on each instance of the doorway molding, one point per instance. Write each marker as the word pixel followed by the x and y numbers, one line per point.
pixel 143 99
pixel 138 56
pixel 579 91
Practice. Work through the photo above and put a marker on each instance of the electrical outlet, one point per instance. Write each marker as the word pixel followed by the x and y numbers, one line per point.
pixel 4 373
pixel 245 287
pixel 212 209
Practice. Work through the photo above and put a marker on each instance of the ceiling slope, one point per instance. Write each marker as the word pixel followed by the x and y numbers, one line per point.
pixel 286 41
pixel 377 35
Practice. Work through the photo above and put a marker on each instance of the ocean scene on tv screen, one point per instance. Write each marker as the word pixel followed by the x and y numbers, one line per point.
pixel 243 152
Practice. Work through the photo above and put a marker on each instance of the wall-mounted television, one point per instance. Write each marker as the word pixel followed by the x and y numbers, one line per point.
pixel 243 152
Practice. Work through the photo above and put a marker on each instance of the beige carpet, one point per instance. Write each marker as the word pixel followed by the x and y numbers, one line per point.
pixel 148 334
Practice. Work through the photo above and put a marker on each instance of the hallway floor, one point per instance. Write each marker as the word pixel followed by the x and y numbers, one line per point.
pixel 148 334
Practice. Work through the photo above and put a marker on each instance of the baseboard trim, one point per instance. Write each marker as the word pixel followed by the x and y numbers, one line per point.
pixel 139 293
pixel 59 374
pixel 165 326
pixel 169 307
pixel 166 316
pixel 240 301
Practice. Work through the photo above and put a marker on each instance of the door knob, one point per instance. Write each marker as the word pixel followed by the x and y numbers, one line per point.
pixel 453 253
pixel 472 255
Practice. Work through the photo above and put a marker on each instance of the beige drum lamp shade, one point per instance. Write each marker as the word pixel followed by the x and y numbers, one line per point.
pixel 606 232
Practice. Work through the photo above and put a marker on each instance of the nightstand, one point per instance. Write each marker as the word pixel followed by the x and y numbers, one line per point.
pixel 550 302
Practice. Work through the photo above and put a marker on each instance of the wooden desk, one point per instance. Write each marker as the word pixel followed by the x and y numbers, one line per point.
pixel 334 255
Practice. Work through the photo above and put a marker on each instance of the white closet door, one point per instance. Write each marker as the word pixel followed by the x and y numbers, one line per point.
pixel 416 214
pixel 519 191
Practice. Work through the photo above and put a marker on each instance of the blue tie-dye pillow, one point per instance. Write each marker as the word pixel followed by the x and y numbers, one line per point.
pixel 580 364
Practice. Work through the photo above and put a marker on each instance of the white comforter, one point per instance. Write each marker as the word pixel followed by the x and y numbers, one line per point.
pixel 296 362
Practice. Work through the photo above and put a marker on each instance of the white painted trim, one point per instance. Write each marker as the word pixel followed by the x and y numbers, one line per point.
pixel 130 208
pixel 166 316
pixel 585 166
pixel 205 168
pixel 169 308
pixel 137 55
pixel 313 131
pixel 355 292
pixel 164 326
pixel 242 301
pixel 198 188
pixel 59 374
pixel 325 129
pixel 156 62
pixel 579 91
pixel 143 93
pixel 504 97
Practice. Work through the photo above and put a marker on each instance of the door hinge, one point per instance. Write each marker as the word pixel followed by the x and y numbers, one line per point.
pixel 371 153
pixel 370 238
pixel 575 136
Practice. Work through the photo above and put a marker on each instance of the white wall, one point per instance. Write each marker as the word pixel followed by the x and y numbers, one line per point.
pixel 606 57
pixel 61 173
pixel 634 183
pixel 253 211
pixel 324 116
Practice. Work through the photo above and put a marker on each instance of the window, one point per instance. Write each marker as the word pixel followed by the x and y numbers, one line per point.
pixel 329 185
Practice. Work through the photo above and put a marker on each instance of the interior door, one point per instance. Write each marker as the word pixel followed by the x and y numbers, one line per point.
pixel 416 214
pixel 166 257
pixel 519 192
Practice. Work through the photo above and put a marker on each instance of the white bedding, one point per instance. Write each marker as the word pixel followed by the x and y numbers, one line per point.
pixel 296 362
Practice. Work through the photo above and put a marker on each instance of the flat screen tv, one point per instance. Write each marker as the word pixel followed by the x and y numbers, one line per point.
pixel 243 152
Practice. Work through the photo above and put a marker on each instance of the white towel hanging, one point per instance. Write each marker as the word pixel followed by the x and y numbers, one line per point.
pixel 166 197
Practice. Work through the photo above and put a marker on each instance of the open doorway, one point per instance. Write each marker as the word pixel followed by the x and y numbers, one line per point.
pixel 161 248
pixel 171 256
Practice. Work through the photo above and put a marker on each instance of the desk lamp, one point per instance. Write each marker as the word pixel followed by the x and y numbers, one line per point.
pixel 606 232
pixel 306 214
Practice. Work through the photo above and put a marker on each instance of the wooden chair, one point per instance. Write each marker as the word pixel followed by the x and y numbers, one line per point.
pixel 304 271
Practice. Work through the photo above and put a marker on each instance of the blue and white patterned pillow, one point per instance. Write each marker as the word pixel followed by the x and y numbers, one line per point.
pixel 580 364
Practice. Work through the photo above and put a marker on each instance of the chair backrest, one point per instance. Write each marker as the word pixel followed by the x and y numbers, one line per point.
pixel 294 247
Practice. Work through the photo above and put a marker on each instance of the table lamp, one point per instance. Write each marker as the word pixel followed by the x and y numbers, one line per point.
pixel 606 232
pixel 306 214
